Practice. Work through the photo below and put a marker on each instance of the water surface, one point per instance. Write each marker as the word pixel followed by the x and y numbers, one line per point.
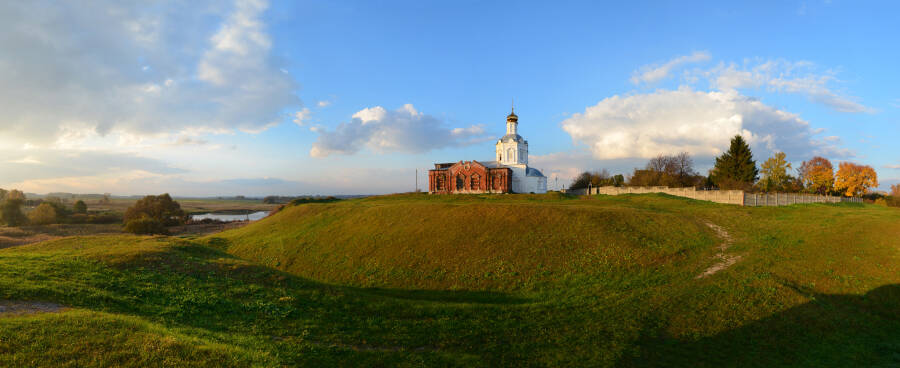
pixel 253 216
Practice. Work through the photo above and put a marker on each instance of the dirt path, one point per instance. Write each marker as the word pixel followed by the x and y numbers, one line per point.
pixel 725 260
pixel 11 308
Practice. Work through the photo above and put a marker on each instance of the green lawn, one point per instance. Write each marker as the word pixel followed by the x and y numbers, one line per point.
pixel 506 280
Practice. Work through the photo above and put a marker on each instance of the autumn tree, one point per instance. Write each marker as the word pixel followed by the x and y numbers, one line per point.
pixel 774 173
pixel 159 208
pixel 895 190
pixel 44 214
pixel 11 208
pixel 855 180
pixel 735 168
pixel 817 175
pixel 667 170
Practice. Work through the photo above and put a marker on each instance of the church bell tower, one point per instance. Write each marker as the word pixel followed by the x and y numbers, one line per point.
pixel 512 149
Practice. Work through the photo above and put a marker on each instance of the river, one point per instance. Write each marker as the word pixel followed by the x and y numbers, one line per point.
pixel 253 216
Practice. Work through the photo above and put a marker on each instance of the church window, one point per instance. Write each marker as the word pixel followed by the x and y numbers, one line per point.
pixel 510 153
pixel 460 182
pixel 476 182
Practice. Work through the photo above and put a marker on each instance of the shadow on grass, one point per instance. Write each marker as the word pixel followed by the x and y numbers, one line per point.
pixel 445 296
pixel 191 284
pixel 828 331
pixel 216 245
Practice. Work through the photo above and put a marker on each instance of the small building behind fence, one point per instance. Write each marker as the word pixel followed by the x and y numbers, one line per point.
pixel 738 197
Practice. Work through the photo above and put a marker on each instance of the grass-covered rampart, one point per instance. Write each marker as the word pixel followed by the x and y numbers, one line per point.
pixel 605 281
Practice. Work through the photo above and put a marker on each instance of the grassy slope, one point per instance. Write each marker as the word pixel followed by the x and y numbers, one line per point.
pixel 411 280
pixel 490 242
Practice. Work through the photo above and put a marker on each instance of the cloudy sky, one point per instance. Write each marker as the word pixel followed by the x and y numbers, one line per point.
pixel 339 97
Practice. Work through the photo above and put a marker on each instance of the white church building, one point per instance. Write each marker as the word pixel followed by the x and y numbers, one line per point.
pixel 512 152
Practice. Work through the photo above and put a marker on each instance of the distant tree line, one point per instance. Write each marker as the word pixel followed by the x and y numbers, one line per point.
pixel 597 179
pixel 47 211
pixel 736 169
pixel 298 199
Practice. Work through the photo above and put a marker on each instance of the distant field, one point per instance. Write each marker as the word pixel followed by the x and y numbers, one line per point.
pixel 13 236
pixel 507 280
pixel 188 205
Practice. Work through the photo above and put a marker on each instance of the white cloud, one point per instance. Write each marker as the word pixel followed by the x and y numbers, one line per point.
pixel 151 69
pixel 323 103
pixel 376 113
pixel 656 73
pixel 894 166
pixel 29 160
pixel 782 76
pixel 401 130
pixel 300 117
pixel 701 123
pixel 52 164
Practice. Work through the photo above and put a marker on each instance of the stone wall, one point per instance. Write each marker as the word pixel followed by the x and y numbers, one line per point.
pixel 718 196
pixel 737 197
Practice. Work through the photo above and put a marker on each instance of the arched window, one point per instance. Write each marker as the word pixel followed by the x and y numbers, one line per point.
pixel 476 182
pixel 460 182
pixel 510 155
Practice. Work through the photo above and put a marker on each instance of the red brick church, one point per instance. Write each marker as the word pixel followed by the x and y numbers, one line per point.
pixel 469 177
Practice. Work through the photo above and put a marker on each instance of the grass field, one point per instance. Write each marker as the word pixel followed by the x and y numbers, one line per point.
pixel 524 280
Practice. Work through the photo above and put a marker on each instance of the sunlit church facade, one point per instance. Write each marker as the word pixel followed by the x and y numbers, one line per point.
pixel 510 172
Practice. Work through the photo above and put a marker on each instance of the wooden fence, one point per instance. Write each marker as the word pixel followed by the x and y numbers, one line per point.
pixel 737 197
pixel 787 199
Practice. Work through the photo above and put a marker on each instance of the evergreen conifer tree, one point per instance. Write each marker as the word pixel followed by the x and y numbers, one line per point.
pixel 736 167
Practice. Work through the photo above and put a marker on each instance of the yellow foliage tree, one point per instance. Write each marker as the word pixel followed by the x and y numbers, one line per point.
pixel 817 175
pixel 774 172
pixel 44 214
pixel 895 190
pixel 854 179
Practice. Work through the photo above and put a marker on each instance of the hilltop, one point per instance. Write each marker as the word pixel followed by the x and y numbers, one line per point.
pixel 515 280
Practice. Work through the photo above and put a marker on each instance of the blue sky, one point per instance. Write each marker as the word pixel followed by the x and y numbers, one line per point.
pixel 258 98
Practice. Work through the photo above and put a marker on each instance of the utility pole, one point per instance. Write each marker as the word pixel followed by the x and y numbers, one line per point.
pixel 417 180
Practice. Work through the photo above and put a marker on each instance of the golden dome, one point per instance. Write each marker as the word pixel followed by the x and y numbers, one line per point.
pixel 512 116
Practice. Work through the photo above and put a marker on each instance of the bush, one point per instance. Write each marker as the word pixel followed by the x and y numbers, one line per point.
pixel 892 201
pixel 160 208
pixel 79 207
pixel 145 225
pixel 45 214
pixel 313 200
pixel 105 218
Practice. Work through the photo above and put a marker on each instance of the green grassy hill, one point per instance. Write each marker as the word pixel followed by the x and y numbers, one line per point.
pixel 412 280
